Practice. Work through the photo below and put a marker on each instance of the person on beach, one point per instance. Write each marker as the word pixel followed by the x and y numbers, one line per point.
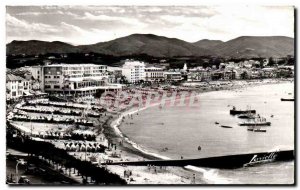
pixel 193 179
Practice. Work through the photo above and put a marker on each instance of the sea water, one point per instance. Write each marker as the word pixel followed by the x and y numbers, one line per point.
pixel 179 131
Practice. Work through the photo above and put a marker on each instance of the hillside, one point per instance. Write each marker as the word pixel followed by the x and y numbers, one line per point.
pixel 207 44
pixel 157 46
pixel 252 46
pixel 34 47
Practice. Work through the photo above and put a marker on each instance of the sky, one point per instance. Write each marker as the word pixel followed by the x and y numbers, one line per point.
pixel 80 25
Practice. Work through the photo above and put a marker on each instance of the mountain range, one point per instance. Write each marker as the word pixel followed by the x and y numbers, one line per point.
pixel 160 46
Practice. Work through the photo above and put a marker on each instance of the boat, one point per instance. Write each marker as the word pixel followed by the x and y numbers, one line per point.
pixel 255 124
pixel 287 99
pixel 260 121
pixel 225 126
pixel 234 111
pixel 254 129
pixel 217 123
pixel 248 115
pixel 260 130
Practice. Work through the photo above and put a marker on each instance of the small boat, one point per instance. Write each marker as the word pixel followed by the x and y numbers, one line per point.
pixel 260 121
pixel 255 129
pixel 287 99
pixel 247 116
pixel 234 111
pixel 225 126
pixel 217 123
pixel 260 130
pixel 267 123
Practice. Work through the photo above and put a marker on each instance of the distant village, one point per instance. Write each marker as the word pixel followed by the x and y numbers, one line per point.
pixel 54 77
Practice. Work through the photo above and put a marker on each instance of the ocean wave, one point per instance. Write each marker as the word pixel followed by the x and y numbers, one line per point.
pixel 139 148
pixel 210 175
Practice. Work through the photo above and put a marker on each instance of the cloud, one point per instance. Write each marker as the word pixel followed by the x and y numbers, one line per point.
pixel 24 26
pixel 46 13
pixel 124 20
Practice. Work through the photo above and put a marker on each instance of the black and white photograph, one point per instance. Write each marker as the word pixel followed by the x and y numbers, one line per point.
pixel 115 95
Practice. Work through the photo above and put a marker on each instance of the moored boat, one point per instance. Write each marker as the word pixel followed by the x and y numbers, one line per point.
pixel 260 130
pixel 287 99
pixel 256 129
pixel 234 111
pixel 260 121
pixel 225 126
pixel 246 116
pixel 255 124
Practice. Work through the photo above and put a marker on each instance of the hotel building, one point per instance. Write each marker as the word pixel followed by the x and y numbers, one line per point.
pixel 154 74
pixel 134 71
pixel 78 79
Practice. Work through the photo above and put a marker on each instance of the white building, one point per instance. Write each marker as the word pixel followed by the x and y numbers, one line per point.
pixel 198 74
pixel 154 74
pixel 16 86
pixel 134 71
pixel 78 79
pixel 172 76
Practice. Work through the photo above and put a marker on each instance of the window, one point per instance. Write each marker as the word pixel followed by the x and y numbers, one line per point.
pixel 14 93
pixel 47 86
pixel 56 86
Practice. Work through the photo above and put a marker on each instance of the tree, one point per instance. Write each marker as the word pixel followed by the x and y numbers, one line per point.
pixel 244 75
pixel 271 61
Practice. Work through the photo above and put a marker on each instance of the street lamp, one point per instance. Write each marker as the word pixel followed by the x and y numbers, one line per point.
pixel 22 162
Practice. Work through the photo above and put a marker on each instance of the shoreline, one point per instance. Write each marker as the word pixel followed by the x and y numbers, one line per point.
pixel 115 124
pixel 133 150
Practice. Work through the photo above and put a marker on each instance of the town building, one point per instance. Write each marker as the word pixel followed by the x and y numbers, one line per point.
pixel 72 79
pixel 134 71
pixel 16 86
pixel 198 74
pixel 154 74
pixel 172 76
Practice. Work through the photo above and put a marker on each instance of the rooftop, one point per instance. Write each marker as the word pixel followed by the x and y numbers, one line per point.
pixel 10 77
pixel 73 65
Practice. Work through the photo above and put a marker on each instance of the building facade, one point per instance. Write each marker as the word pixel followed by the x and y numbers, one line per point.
pixel 154 74
pixel 134 71
pixel 172 76
pixel 78 79
pixel 16 86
